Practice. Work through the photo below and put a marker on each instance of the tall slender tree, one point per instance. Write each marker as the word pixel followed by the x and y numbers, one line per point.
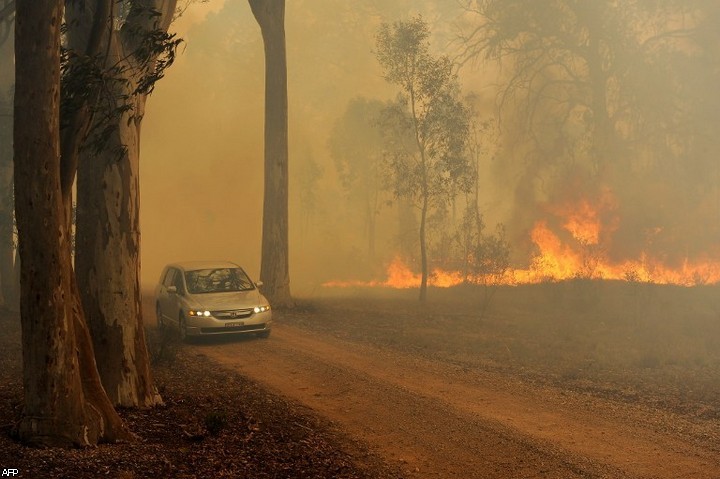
pixel 430 112
pixel 65 403
pixel 274 265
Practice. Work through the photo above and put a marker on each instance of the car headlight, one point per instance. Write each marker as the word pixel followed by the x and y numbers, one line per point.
pixel 196 312
pixel 261 309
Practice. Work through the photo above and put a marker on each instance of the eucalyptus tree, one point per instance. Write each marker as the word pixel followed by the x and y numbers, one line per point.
pixel 274 263
pixel 65 403
pixel 124 48
pixel 428 125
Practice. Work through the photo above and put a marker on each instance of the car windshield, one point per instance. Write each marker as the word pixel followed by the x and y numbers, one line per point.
pixel 217 280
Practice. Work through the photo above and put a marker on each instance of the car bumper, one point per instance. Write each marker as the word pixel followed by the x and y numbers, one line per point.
pixel 255 323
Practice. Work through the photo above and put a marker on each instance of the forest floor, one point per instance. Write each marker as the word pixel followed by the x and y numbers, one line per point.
pixel 214 423
pixel 573 380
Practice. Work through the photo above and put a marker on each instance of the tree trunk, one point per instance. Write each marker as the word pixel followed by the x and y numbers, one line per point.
pixel 603 135
pixel 107 266
pixel 16 277
pixel 108 231
pixel 8 295
pixel 64 404
pixel 423 250
pixel 87 32
pixel 424 194
pixel 6 211
pixel 274 268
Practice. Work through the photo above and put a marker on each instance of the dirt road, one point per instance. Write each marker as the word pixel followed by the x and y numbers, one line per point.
pixel 440 420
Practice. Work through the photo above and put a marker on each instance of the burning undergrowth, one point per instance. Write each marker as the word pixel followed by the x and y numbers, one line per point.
pixel 574 237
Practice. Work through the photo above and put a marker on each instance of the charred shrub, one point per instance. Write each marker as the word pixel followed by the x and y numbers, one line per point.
pixel 215 422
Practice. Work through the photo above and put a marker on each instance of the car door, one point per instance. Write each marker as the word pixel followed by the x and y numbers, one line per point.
pixel 175 300
pixel 166 300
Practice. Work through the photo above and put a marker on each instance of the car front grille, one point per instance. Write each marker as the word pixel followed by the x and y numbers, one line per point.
pixel 232 313
pixel 234 329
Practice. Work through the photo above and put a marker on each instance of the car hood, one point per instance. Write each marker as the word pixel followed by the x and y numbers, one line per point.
pixel 225 301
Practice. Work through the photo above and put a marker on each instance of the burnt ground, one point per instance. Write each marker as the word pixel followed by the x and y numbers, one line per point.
pixel 214 424
pixel 582 379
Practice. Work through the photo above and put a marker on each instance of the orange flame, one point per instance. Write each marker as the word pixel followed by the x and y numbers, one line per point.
pixel 580 257
pixel 584 224
pixel 400 276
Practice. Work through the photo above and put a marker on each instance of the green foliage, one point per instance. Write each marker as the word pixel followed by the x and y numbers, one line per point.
pixel 427 127
pixel 487 254
pixel 93 83
pixel 85 83
pixel 155 54
pixel 403 52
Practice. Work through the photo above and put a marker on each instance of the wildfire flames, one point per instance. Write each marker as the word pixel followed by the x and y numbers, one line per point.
pixel 581 255
pixel 399 275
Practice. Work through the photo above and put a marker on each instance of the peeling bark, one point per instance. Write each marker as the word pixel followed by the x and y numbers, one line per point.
pixel 108 267
pixel 108 229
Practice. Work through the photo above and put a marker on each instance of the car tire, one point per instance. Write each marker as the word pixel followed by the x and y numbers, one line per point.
pixel 264 334
pixel 182 327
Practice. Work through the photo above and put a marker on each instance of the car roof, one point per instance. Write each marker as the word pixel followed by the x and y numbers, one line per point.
pixel 193 265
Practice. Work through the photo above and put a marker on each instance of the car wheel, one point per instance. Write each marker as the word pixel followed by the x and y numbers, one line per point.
pixel 182 326
pixel 264 334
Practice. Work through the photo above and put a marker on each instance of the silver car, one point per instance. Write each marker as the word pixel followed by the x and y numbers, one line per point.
pixel 211 298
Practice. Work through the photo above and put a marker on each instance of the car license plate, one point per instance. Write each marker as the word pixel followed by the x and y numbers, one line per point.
pixel 234 323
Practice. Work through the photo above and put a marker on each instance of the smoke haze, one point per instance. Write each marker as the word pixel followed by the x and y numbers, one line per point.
pixel 202 151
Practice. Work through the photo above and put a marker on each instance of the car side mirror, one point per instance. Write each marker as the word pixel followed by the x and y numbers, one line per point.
pixel 172 289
